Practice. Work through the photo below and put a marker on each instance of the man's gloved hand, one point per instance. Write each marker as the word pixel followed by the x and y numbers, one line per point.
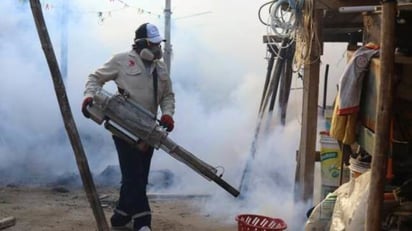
pixel 86 102
pixel 167 122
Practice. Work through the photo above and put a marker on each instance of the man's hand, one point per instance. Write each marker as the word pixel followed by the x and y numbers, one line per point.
pixel 86 102
pixel 167 122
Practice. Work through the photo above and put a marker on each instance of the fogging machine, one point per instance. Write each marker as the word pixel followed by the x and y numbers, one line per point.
pixel 133 123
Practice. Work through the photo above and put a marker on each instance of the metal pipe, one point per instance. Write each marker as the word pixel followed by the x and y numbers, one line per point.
pixel 276 75
pixel 272 50
pixel 325 89
pixel 286 82
pixel 356 9
pixel 168 46
pixel 133 123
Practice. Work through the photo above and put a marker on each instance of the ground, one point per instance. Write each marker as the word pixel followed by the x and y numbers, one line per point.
pixel 48 208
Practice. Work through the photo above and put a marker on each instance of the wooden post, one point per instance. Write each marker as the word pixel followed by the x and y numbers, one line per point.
pixel 68 117
pixel 7 222
pixel 383 117
pixel 307 148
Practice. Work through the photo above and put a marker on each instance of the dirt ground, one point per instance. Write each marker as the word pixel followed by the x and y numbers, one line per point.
pixel 46 209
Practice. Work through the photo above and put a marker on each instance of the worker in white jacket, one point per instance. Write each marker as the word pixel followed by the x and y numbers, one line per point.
pixel 141 76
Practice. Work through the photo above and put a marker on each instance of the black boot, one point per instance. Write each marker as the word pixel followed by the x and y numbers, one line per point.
pixel 120 221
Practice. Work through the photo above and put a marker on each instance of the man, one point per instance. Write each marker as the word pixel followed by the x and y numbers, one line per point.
pixel 143 78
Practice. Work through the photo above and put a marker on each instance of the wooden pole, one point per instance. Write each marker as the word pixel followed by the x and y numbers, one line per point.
pixel 307 148
pixel 7 222
pixel 383 117
pixel 68 117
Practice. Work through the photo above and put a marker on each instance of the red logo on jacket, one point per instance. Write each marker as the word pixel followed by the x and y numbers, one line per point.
pixel 131 63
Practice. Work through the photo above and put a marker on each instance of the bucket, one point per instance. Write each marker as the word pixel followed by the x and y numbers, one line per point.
pixel 358 167
pixel 330 161
pixel 252 222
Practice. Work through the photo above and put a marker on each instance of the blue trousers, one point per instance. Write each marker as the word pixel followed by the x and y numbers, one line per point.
pixel 134 167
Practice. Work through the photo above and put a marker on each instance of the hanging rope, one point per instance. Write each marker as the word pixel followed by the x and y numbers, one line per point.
pixel 306 36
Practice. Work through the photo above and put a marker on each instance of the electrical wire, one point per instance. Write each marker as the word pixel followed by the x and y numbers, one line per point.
pixel 292 19
pixel 260 10
pixel 280 23
pixel 283 21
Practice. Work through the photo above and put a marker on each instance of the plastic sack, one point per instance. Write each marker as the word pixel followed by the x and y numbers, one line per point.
pixel 321 216
pixel 351 204
pixel 344 209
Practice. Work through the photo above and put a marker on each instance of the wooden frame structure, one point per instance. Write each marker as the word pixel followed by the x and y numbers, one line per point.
pixel 345 28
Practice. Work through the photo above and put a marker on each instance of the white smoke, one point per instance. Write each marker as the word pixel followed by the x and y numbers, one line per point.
pixel 218 71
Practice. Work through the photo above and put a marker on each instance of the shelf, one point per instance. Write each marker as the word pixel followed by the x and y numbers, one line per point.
pixel 402 59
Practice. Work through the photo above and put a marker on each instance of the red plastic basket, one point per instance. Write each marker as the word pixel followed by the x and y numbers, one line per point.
pixel 251 222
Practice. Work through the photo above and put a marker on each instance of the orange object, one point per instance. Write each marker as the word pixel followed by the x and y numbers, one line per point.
pixel 388 196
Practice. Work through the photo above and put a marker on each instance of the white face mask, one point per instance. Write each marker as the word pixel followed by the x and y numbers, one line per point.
pixel 151 54
pixel 147 54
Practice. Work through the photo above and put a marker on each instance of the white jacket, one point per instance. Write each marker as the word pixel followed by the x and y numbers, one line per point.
pixel 129 73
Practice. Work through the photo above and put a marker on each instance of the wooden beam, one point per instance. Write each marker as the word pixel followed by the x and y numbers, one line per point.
pixel 335 19
pixel 335 4
pixel 67 116
pixel 306 155
pixel 329 35
pixel 272 39
pixel 345 37
pixel 383 118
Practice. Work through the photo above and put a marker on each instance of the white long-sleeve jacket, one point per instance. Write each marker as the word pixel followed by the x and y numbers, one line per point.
pixel 129 73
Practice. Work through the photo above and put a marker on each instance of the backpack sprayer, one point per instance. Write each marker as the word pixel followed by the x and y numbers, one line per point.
pixel 133 123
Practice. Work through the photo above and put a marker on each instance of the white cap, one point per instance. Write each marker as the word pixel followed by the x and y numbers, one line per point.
pixel 153 34
pixel 149 32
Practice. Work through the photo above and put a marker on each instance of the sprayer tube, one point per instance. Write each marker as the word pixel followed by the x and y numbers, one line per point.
pixel 202 168
pixel 131 122
pixel 196 164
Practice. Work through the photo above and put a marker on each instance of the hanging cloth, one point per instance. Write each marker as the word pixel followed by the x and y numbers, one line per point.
pixel 345 114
